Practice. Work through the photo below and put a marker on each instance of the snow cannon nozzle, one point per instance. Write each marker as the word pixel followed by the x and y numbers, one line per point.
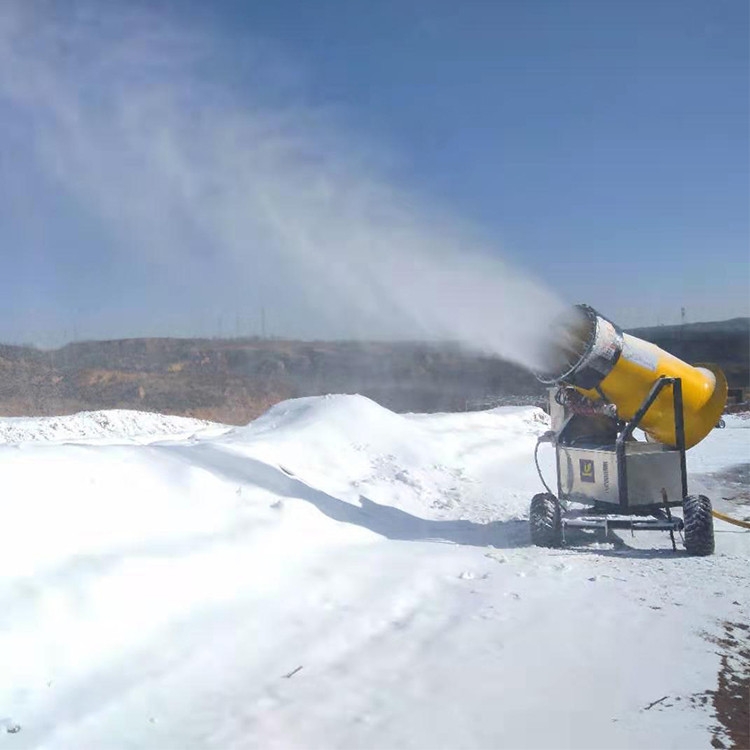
pixel 589 352
pixel 584 347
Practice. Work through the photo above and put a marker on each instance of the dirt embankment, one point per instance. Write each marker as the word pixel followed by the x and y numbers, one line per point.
pixel 236 380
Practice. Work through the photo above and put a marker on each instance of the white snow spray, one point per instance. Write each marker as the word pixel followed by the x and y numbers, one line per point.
pixel 236 194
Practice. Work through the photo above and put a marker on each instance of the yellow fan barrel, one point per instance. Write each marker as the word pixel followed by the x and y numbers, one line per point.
pixel 594 355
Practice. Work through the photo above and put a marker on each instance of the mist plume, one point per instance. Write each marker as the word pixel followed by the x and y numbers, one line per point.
pixel 233 193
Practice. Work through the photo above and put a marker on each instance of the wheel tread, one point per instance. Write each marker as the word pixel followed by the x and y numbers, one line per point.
pixel 699 525
pixel 545 521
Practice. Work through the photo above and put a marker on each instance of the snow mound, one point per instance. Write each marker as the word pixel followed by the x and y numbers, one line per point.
pixel 113 425
pixel 344 418
pixel 354 449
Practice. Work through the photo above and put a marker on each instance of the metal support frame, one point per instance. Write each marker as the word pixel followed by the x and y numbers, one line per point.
pixel 679 431
pixel 627 432
pixel 584 520
pixel 653 519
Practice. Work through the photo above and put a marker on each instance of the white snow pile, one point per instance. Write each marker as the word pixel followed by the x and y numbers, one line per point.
pixel 119 425
pixel 335 575
pixel 353 448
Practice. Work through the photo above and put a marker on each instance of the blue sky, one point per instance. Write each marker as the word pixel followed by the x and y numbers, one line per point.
pixel 601 147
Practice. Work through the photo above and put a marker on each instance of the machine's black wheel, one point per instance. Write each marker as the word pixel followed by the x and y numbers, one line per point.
pixel 699 525
pixel 721 424
pixel 545 521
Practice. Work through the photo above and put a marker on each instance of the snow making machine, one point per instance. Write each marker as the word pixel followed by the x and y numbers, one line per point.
pixel 604 385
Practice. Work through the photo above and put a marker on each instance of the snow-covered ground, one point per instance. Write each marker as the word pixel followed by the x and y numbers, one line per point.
pixel 115 425
pixel 335 575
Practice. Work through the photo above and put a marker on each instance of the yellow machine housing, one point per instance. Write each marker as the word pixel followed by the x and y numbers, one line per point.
pixel 603 362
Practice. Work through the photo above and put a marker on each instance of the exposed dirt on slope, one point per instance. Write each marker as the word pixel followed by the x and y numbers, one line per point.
pixel 233 381
pixel 731 699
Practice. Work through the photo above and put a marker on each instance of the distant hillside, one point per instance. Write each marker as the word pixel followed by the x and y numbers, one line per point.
pixel 712 328
pixel 727 343
pixel 236 380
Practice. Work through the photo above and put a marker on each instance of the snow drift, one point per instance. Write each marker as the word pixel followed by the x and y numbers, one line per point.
pixel 333 575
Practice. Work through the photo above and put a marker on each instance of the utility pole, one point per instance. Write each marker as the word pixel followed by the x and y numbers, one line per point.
pixel 682 323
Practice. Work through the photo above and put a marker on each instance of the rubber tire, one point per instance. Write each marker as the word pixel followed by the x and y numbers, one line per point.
pixel 545 521
pixel 721 424
pixel 699 525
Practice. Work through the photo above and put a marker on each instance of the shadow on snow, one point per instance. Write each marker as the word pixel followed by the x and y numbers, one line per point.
pixel 385 520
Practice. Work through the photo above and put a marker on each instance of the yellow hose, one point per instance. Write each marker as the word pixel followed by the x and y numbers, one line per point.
pixel 728 519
